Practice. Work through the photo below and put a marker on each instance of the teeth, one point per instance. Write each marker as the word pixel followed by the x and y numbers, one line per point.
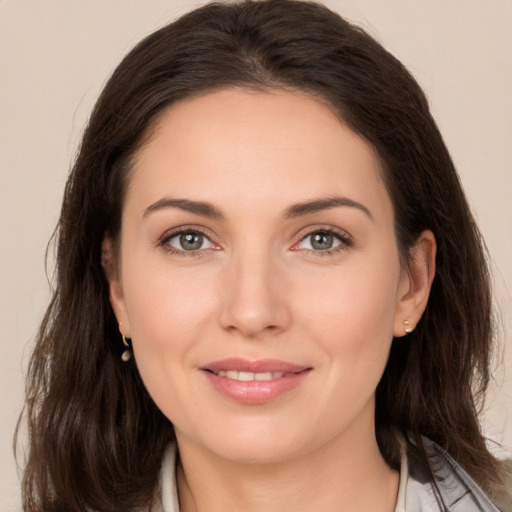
pixel 263 376
pixel 248 376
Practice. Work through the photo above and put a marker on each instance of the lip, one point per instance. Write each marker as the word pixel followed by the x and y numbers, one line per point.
pixel 254 391
pixel 258 366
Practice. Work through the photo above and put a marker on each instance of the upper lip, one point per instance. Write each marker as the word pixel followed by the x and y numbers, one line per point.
pixel 258 366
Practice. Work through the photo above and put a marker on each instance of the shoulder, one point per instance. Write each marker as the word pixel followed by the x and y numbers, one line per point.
pixel 438 483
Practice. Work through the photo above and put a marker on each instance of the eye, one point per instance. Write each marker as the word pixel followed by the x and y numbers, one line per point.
pixel 189 241
pixel 323 240
pixel 320 241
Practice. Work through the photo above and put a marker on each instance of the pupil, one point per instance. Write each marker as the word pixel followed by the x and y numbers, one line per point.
pixel 322 241
pixel 191 241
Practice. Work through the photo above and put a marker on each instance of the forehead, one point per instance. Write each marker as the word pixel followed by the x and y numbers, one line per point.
pixel 274 146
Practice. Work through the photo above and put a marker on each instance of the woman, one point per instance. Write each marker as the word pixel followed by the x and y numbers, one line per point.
pixel 271 293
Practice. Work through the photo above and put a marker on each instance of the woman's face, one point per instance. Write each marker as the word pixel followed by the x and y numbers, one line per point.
pixel 259 276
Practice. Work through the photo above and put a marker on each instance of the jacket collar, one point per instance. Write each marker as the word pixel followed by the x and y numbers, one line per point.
pixel 438 483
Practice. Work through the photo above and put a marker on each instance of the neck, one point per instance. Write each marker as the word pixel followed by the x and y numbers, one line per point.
pixel 347 474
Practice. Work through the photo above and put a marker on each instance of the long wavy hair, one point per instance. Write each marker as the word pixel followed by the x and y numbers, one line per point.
pixel 96 439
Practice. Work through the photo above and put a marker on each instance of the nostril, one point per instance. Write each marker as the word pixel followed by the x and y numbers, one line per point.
pixel 250 311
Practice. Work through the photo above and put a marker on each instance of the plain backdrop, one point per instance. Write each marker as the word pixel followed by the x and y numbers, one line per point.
pixel 56 54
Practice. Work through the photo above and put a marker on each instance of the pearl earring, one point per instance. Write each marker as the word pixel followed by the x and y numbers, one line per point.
pixel 127 354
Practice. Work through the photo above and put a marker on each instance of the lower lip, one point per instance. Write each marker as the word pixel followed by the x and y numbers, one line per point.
pixel 255 391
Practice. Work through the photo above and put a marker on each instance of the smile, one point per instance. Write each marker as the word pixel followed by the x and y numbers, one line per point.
pixel 254 382
pixel 248 376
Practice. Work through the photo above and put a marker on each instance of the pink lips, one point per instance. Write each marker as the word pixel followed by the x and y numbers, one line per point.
pixel 254 382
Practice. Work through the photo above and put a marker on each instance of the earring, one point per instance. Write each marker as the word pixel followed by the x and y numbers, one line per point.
pixel 408 327
pixel 127 354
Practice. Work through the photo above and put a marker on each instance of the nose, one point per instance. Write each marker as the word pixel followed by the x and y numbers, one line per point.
pixel 254 297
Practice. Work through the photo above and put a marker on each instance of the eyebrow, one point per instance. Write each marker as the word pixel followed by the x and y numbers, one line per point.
pixel 300 209
pixel 297 210
pixel 197 207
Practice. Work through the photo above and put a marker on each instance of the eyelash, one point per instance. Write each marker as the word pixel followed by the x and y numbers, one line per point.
pixel 164 241
pixel 344 239
pixel 342 236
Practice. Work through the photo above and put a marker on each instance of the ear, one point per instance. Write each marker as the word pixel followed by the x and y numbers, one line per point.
pixel 415 283
pixel 116 295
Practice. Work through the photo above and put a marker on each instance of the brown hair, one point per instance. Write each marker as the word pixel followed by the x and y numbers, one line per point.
pixel 96 437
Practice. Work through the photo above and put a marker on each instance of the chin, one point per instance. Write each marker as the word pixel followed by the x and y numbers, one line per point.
pixel 254 452
pixel 255 444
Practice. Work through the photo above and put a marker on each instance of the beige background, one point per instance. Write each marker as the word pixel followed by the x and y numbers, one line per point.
pixel 56 54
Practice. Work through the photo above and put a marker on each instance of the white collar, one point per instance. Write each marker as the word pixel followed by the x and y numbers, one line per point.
pixel 167 499
pixel 404 477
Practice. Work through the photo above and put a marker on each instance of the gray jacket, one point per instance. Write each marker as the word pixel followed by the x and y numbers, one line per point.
pixel 452 489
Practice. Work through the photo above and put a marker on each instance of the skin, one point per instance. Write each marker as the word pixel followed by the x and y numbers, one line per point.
pixel 257 288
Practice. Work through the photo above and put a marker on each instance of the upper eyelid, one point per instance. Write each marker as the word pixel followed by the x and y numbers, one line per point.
pixel 184 229
pixel 309 230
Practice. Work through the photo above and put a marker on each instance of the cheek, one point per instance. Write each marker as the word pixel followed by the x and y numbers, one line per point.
pixel 167 310
pixel 351 313
pixel 160 296
pixel 354 295
pixel 350 318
